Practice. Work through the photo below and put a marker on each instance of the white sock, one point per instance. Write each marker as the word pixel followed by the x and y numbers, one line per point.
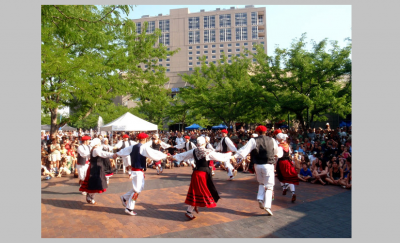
pixel 190 209
pixel 291 186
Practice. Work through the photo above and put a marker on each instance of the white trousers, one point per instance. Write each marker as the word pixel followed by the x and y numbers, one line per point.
pixel 126 161
pixel 138 185
pixel 82 171
pixel 229 167
pixel 266 180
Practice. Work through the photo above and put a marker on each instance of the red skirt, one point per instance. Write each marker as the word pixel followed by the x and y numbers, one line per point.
pixel 85 183
pixel 198 194
pixel 287 172
pixel 157 162
pixel 212 164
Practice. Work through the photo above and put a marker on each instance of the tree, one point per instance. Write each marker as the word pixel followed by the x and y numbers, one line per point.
pixel 220 92
pixel 91 55
pixel 298 81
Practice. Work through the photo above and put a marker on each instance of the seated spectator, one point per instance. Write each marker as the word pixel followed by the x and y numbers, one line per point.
pixel 346 172
pixel 345 153
pixel 305 173
pixel 319 171
pixel 347 182
pixel 64 168
pixel 335 173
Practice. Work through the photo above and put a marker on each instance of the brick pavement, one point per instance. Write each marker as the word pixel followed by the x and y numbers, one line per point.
pixel 161 208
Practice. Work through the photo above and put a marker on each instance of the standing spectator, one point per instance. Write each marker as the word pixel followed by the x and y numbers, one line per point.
pixel 55 154
pixel 179 139
pixel 297 160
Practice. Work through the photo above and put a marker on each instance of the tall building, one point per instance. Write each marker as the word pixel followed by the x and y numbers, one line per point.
pixel 209 33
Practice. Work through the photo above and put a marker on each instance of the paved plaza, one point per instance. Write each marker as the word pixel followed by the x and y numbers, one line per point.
pixel 319 211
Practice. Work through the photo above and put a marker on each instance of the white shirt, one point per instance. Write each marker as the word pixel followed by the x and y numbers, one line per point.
pixel 84 151
pixel 119 144
pixel 229 145
pixel 145 150
pixel 185 145
pixel 246 149
pixel 107 148
pixel 223 157
pixel 209 146
pixel 99 152
pixel 179 140
pixel 162 144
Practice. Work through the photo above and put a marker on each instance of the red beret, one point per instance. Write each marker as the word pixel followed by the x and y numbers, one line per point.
pixel 84 138
pixel 125 136
pixel 277 131
pixel 261 129
pixel 224 131
pixel 187 137
pixel 142 136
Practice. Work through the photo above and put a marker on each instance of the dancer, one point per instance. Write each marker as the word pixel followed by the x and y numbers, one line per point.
pixel 157 144
pixel 187 145
pixel 82 163
pixel 266 150
pixel 137 154
pixel 285 169
pixel 226 146
pixel 123 144
pixel 108 166
pixel 95 180
pixel 209 146
pixel 202 192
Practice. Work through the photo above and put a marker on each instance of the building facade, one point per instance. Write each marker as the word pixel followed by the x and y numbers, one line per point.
pixel 205 33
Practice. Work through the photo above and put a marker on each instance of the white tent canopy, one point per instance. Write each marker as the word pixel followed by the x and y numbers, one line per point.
pixel 129 122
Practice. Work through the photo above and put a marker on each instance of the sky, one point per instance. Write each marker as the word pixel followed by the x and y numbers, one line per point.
pixel 284 22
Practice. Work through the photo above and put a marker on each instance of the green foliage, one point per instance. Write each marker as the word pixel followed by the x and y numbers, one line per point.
pixel 91 55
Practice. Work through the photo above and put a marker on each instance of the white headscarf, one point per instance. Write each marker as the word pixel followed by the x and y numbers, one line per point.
pixel 255 135
pixel 208 138
pixel 281 136
pixel 95 142
pixel 201 141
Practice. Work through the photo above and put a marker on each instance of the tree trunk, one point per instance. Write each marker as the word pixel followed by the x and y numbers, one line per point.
pixel 233 124
pixel 54 126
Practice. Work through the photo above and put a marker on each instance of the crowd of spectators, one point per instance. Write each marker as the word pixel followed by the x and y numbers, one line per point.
pixel 320 155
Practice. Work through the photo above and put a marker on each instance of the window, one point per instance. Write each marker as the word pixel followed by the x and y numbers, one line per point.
pixel 225 35
pixel 168 49
pixel 254 60
pixel 190 58
pixel 167 64
pixel 225 20
pixel 254 33
pixel 151 27
pixel 198 63
pixel 197 52
pixel 167 60
pixel 190 47
pixel 240 19
pixel 246 49
pixel 209 22
pixel 209 36
pixel 221 56
pixel 205 52
pixel 238 49
pixel 245 44
pixel 190 53
pixel 197 47
pixel 146 66
pixel 194 23
pixel 229 56
pixel 229 45
pixel 253 18
pixel 164 25
pixel 214 62
pixel 254 43
pixel 260 19
pixel 205 46
pixel 246 55
pixel 139 28
pixel 160 60
pixel 253 48
pixel 160 65
pixel 206 62
pixel 190 69
pixel 213 57
pixel 221 45
pixel 190 63
pixel 237 44
pixel 230 61
pixel 241 33
pixel 206 57
pixel 262 42
pixel 238 55
pixel 194 37
pixel 197 58
pixel 167 70
pixel 213 51
pixel 221 51
pixel 164 39
pixel 229 50
pixel 222 61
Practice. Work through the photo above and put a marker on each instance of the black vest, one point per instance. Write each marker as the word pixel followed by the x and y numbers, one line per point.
pixel 138 161
pixel 264 151
pixel 190 145
pixel 123 144
pixel 82 160
pixel 224 146
pixel 155 146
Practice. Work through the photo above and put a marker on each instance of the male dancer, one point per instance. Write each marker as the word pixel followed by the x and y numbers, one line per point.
pixel 82 163
pixel 187 145
pixel 157 144
pixel 123 144
pixel 209 146
pixel 138 154
pixel 264 160
pixel 226 146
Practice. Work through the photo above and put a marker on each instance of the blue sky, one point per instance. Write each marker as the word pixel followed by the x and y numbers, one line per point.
pixel 284 22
